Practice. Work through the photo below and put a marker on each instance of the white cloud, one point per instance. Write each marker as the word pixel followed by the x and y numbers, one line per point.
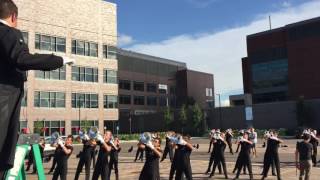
pixel 220 53
pixel 201 3
pixel 124 40
pixel 286 4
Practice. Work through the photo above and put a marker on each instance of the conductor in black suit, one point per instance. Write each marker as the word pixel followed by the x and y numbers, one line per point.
pixel 15 60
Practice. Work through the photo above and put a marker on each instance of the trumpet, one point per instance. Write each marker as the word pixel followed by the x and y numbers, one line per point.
pixel 111 142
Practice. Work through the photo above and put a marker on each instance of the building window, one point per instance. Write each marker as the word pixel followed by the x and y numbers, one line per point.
pixel 124 99
pixel 84 74
pixel 84 100
pixel 138 86
pixel 124 84
pixel 24 99
pixel 23 127
pixel 110 102
pixel 210 103
pixel 152 101
pixel 84 48
pixel 110 76
pixel 109 52
pixel 50 43
pixel 25 36
pixel 49 99
pixel 138 100
pixel 46 128
pixel 58 74
pixel 209 92
pixel 163 101
pixel 270 75
pixel 172 90
pixel 76 125
pixel 151 87
pixel 173 101
pixel 163 88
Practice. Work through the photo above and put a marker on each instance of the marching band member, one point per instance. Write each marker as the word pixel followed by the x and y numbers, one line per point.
pixel 85 156
pixel 272 156
pixel 229 136
pixel 114 155
pixel 168 148
pixel 102 166
pixel 139 152
pixel 315 142
pixel 64 150
pixel 212 132
pixel 150 169
pixel 215 136
pixel 244 156
pixel 219 148
pixel 183 165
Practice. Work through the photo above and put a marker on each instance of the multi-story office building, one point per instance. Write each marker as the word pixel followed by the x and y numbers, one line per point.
pixel 149 84
pixel 84 94
pixel 283 64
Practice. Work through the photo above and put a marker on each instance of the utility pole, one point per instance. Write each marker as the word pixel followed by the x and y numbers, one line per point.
pixel 220 111
pixel 270 22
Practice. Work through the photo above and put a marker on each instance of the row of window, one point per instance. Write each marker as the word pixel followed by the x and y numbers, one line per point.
pixel 85 74
pixel 140 86
pixel 48 127
pixel 79 47
pixel 79 100
pixel 149 100
pixel 91 101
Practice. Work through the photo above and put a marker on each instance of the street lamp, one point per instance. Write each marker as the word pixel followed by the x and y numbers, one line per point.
pixel 220 110
pixel 130 124
pixel 80 110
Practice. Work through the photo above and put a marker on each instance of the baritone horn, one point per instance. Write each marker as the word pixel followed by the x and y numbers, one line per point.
pixel 55 137
pixel 93 133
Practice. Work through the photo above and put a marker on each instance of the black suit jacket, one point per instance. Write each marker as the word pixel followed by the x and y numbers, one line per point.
pixel 15 60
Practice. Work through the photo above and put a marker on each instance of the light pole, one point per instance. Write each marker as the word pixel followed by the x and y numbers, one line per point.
pixel 220 110
pixel 130 124
pixel 80 105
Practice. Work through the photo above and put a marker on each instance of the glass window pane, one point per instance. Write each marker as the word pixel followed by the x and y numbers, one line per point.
pixel 93 49
pixel 36 99
pixel 82 74
pixel 74 46
pixel 80 47
pixel 44 99
pixel 87 49
pixel 75 73
pixel 37 41
pixel 39 74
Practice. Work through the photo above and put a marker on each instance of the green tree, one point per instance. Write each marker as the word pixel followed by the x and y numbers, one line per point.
pixel 183 117
pixel 38 127
pixel 168 117
pixel 197 116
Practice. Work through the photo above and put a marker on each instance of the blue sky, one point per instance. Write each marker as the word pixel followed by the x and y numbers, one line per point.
pixel 209 35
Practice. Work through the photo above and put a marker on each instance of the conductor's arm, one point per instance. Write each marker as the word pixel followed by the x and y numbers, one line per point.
pixel 18 54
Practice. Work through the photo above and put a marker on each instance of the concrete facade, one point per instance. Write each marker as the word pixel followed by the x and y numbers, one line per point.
pixel 88 20
pixel 266 116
